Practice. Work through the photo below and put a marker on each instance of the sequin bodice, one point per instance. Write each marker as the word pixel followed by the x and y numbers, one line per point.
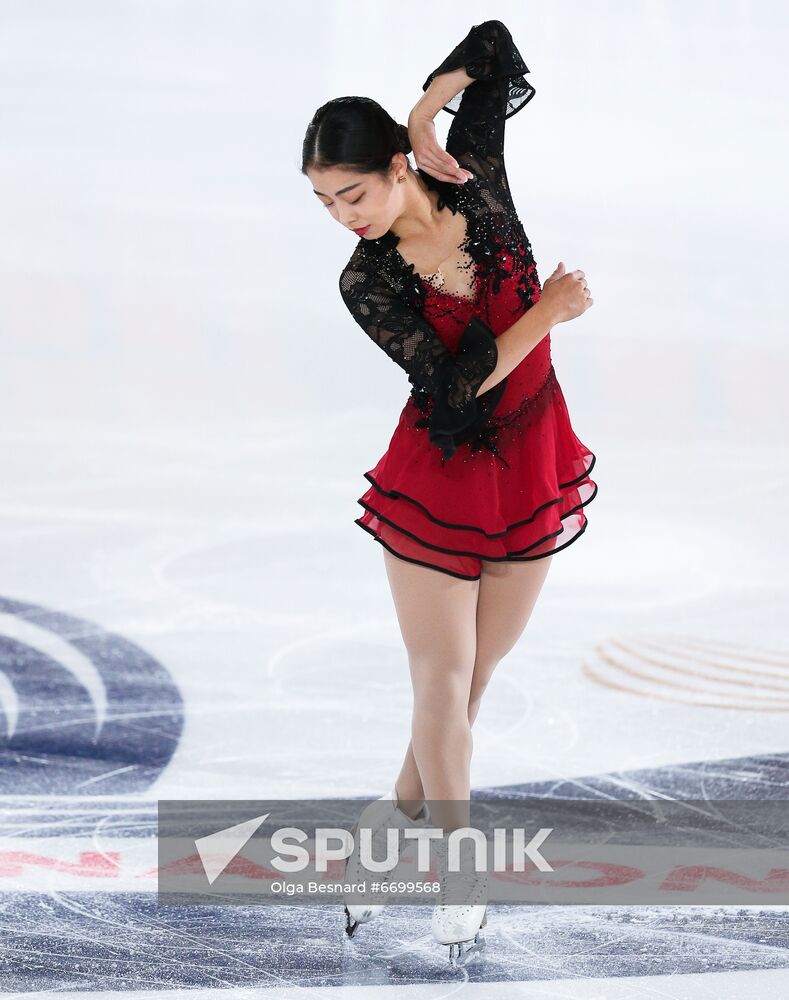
pixel 443 334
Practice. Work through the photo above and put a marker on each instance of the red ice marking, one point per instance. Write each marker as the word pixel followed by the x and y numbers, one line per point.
pixel 611 875
pixel 192 864
pixel 688 878
pixel 91 863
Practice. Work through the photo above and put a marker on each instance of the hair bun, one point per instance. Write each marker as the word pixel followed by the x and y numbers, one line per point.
pixel 402 138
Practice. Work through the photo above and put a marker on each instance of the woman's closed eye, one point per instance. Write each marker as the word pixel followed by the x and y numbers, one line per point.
pixel 350 202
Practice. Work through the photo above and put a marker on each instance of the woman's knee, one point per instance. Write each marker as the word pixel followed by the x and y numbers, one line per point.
pixel 441 688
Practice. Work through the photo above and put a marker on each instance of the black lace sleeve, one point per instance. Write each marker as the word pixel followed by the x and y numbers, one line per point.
pixel 476 135
pixel 449 380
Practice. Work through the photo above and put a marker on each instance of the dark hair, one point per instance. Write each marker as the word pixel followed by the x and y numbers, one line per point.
pixel 353 132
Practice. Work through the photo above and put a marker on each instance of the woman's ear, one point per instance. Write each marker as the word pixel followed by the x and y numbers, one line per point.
pixel 399 164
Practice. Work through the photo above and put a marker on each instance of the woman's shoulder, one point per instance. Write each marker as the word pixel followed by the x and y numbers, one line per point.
pixel 375 253
pixel 373 266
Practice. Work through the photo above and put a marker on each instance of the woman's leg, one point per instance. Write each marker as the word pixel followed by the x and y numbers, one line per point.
pixel 508 592
pixel 507 595
pixel 437 617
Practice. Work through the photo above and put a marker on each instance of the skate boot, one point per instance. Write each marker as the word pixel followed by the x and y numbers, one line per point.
pixel 459 924
pixel 380 819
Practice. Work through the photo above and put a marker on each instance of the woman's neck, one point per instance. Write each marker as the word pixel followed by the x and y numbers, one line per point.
pixel 419 218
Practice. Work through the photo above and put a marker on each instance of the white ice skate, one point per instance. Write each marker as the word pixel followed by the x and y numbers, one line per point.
pixel 459 924
pixel 379 819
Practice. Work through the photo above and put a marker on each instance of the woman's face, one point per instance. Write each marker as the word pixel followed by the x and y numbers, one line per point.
pixel 365 203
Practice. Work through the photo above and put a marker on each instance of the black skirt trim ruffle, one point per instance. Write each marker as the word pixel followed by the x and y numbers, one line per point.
pixel 463 576
pixel 515 555
pixel 397 495
pixel 419 562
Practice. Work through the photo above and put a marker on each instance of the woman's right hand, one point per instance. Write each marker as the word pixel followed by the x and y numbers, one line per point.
pixel 566 295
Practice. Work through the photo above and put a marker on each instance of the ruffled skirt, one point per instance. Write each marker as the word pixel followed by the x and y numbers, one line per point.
pixel 526 502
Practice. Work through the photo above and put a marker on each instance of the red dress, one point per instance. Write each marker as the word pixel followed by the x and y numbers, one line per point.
pixel 466 478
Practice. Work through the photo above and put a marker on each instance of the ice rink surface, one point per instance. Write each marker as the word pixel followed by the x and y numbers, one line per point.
pixel 186 607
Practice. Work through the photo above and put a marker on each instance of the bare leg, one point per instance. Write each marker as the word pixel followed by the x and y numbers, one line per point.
pixel 507 595
pixel 437 617
pixel 508 592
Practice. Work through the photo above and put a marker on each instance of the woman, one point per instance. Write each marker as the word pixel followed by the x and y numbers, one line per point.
pixel 484 478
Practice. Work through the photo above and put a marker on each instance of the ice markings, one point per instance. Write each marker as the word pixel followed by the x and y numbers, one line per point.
pixel 80 705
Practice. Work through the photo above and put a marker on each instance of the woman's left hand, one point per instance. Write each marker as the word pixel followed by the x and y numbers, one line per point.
pixel 430 156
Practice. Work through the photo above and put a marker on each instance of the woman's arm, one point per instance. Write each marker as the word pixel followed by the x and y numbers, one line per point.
pixel 564 297
pixel 450 379
pixel 440 92
pixel 519 340
pixel 422 132
pixel 488 72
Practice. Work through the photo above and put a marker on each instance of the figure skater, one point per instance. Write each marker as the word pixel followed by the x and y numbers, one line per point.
pixel 484 479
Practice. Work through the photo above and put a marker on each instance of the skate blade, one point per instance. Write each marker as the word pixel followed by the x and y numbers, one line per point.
pixel 351 923
pixel 360 916
pixel 463 952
